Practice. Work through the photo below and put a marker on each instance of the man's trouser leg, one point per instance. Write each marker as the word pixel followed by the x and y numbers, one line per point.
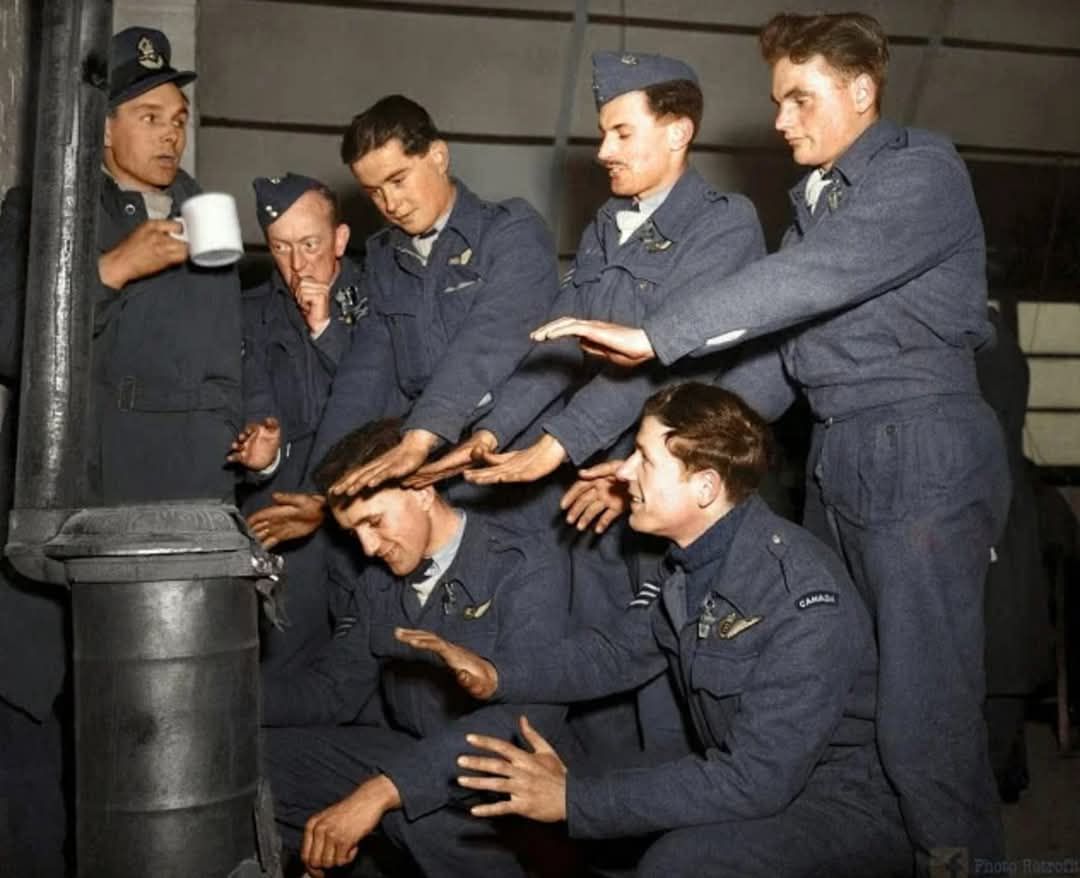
pixel 312 768
pixel 840 826
pixel 916 497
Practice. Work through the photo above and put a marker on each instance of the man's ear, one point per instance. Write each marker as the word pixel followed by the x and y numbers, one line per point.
pixel 864 92
pixel 108 132
pixel 424 496
pixel 440 154
pixel 341 239
pixel 679 133
pixel 708 487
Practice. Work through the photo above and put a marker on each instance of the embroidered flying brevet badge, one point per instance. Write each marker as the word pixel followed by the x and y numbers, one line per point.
pixel 462 258
pixel 477 611
pixel 732 625
pixel 817 599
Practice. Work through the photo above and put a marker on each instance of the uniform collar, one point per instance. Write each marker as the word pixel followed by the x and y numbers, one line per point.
pixel 713 545
pixel 680 207
pixel 181 188
pixel 466 217
pixel 468 570
pixel 853 163
pixel 732 573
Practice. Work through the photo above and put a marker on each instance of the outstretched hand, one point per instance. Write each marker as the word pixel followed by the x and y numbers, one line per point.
pixel 402 460
pixel 597 498
pixel 256 446
pixel 527 465
pixel 291 517
pixel 474 674
pixel 455 461
pixel 535 782
pixel 624 346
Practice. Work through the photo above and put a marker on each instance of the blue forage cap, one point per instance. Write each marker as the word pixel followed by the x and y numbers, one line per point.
pixel 275 195
pixel 139 60
pixel 616 73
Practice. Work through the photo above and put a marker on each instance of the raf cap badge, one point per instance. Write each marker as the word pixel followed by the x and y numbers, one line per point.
pixel 148 55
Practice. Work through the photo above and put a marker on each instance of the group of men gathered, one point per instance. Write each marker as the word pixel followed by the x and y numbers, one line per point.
pixel 569 636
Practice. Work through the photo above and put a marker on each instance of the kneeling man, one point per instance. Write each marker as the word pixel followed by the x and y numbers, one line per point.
pixel 773 658
pixel 367 734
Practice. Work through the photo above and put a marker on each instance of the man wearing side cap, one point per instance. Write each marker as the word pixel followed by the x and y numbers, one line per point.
pixel 663 225
pixel 166 334
pixel 452 284
pixel 297 327
pixel 879 289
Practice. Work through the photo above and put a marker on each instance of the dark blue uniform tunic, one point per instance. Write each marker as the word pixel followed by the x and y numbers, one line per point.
pixel 167 369
pixel 695 229
pixel 287 375
pixel 499 590
pixel 882 294
pixel 446 331
pixel 772 650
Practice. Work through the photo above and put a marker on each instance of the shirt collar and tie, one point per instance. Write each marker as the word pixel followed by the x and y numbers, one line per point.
pixel 430 570
pixel 630 219
pixel 816 185
pixel 426 240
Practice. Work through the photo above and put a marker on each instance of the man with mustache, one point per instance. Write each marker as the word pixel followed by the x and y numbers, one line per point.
pixel 880 291
pixel 663 225
pixel 166 334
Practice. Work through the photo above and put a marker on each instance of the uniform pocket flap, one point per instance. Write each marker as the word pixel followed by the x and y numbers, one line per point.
pixel 720 673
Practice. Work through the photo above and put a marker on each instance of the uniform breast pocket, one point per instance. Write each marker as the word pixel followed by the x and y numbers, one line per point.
pixel 718 680
pixel 459 291
pixel 465 628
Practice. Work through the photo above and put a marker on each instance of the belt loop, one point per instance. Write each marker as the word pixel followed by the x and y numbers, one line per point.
pixel 125 394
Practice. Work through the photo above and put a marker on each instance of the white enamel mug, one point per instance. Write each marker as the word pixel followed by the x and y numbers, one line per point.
pixel 211 229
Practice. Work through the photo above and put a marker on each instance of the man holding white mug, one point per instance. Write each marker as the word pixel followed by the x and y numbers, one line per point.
pixel 167 328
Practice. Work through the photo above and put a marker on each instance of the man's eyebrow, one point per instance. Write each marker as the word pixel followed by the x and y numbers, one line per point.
pixel 795 92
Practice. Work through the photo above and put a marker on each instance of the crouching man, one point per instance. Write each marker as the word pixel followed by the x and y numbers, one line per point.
pixel 773 657
pixel 367 734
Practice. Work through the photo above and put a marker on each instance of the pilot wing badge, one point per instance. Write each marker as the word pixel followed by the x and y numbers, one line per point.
pixel 732 625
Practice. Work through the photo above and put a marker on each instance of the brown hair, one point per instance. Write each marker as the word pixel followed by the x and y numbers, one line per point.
pixel 394 116
pixel 353 450
pixel 851 42
pixel 712 428
pixel 677 97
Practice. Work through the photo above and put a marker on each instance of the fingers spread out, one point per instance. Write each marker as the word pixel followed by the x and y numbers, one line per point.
pixel 495 745
pixel 419 639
